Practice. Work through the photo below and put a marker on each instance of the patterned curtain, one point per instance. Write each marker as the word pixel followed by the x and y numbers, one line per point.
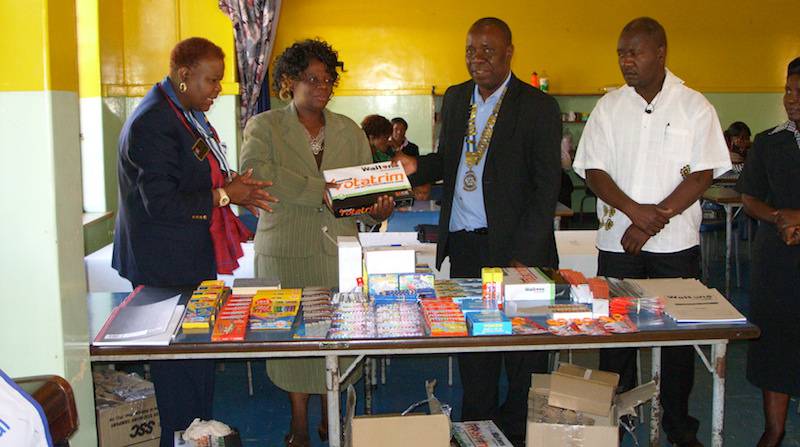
pixel 254 26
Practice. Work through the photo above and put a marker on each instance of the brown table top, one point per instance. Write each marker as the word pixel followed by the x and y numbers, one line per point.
pixel 720 332
pixel 723 196
pixel 563 210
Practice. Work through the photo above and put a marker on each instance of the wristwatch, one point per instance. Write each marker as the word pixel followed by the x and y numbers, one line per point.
pixel 224 200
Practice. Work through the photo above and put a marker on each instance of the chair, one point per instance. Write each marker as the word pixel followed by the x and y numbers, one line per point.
pixel 713 223
pixel 248 219
pixel 587 194
pixel 55 396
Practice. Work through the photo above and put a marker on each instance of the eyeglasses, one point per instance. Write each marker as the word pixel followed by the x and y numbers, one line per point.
pixel 317 82
pixel 486 52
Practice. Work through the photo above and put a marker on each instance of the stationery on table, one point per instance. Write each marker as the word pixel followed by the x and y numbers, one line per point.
pixel 147 317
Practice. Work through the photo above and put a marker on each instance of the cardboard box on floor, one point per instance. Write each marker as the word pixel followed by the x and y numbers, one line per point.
pixel 418 430
pixel 550 426
pixel 581 389
pixel 133 423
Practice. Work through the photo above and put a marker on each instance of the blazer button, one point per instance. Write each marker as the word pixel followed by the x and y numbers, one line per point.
pixel 320 209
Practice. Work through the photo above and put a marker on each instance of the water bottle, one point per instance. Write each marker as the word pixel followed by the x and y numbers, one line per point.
pixel 544 83
pixel 535 79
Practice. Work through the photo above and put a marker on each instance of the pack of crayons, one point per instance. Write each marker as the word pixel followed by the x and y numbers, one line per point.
pixel 275 309
pixel 231 323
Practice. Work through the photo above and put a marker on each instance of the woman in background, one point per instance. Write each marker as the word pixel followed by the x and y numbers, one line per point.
pixel 378 130
pixel 293 145
pixel 737 136
pixel 175 227
pixel 770 187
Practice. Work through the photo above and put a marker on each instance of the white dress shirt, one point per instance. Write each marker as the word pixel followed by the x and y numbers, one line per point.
pixel 649 154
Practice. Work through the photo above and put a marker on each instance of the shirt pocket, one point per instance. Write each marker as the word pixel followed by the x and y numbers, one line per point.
pixel 677 148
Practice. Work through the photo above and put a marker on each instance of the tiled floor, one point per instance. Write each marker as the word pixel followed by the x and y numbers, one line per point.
pixel 263 418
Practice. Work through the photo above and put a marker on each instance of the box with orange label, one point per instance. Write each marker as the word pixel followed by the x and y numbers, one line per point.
pixel 358 187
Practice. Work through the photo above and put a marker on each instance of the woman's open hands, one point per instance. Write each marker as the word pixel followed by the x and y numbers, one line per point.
pixel 244 190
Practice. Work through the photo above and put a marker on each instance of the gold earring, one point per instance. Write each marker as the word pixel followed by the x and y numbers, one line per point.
pixel 182 87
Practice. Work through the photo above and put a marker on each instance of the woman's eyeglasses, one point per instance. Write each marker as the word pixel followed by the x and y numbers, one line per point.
pixel 317 82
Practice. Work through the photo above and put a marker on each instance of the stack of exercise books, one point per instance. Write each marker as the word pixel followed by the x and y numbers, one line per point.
pixel 149 316
pixel 251 286
pixel 690 301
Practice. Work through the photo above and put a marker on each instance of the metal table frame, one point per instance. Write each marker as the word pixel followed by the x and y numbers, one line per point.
pixel 716 336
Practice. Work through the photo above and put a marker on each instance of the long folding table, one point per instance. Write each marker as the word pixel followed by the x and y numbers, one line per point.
pixel 654 333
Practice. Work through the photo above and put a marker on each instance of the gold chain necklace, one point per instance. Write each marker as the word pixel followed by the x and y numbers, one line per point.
pixel 475 152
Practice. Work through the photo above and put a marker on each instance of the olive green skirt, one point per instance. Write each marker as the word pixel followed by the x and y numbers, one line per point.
pixel 303 375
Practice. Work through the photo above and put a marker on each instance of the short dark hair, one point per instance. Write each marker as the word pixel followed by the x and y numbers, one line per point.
pixel 295 59
pixel 738 129
pixel 649 26
pixel 794 67
pixel 399 120
pixel 494 22
pixel 188 52
pixel 376 126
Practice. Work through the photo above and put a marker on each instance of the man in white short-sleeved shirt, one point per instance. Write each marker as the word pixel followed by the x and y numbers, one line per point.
pixel 649 151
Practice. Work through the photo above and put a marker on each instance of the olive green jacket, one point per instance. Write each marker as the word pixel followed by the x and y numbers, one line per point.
pixel 276 147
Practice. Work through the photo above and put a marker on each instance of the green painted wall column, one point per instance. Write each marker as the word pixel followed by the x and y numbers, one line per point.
pixel 43 325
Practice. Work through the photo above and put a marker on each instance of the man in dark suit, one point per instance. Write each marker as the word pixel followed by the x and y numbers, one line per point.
pixel 499 157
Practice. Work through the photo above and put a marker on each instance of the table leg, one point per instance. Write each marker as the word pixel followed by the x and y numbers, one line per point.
pixel 728 243
pixel 655 408
pixel 334 418
pixel 718 407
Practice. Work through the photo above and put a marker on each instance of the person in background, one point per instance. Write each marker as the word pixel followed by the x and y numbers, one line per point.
pixel 499 159
pixel 378 130
pixel 649 151
pixel 567 152
pixel 737 136
pixel 399 141
pixel 293 145
pixel 770 187
pixel 422 192
pixel 175 227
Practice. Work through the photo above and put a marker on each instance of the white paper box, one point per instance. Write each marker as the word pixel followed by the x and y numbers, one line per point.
pixel 389 260
pixel 349 262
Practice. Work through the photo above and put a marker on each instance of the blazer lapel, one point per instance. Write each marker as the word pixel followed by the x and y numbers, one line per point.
pixel 295 137
pixel 458 124
pixel 506 122
pixel 333 142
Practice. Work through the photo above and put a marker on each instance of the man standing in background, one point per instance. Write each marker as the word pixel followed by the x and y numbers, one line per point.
pixel 649 151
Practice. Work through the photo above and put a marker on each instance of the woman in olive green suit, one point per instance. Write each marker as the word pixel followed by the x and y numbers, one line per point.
pixel 292 146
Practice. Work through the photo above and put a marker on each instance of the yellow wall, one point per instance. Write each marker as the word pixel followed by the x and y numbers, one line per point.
pixel 137 36
pixel 30 30
pixel 394 47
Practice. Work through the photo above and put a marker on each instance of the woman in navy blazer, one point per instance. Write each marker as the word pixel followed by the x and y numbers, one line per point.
pixel 175 227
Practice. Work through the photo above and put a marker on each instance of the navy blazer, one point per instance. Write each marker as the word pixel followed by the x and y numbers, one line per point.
pixel 521 178
pixel 162 233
